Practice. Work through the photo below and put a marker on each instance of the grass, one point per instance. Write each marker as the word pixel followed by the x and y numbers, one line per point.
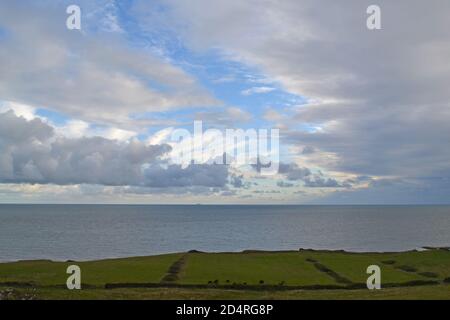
pixel 353 266
pixel 248 275
pixel 252 268
pixel 437 292
pixel 94 273
pixel 436 261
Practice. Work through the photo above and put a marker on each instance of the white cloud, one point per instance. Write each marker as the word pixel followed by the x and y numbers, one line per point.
pixel 162 136
pixel 118 134
pixel 86 76
pixel 73 129
pixel 379 100
pixel 257 90
pixel 21 110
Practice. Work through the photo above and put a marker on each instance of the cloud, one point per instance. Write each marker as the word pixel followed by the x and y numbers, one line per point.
pixel 194 174
pixel 86 75
pixel 378 100
pixel 257 90
pixel 293 172
pixel 273 115
pixel 22 110
pixel 237 181
pixel 394 191
pixel 228 117
pixel 283 184
pixel 317 181
pixel 31 152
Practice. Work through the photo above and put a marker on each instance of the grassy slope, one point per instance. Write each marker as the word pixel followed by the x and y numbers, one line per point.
pixel 354 266
pixel 290 267
pixel 44 273
pixel 437 261
pixel 251 268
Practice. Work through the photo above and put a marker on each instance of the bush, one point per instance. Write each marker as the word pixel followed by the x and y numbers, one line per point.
pixel 261 281
pixel 407 268
pixel 322 268
pixel 413 283
pixel 388 261
pixel 338 278
pixel 170 278
pixel 429 274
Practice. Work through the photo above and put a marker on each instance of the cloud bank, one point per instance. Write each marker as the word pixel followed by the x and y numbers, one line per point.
pixel 33 153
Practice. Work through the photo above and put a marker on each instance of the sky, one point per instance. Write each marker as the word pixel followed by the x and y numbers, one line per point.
pixel 87 116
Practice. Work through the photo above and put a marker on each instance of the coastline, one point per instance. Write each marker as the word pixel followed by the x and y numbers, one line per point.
pixel 424 248
pixel 255 274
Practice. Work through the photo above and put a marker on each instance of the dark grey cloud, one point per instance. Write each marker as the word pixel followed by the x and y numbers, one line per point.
pixel 394 191
pixel 293 172
pixel 136 190
pixel 283 184
pixel 237 181
pixel 267 191
pixel 214 175
pixel 318 181
pixel 30 152
pixel 310 179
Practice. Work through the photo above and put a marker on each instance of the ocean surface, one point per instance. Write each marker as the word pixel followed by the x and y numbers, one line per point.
pixel 86 232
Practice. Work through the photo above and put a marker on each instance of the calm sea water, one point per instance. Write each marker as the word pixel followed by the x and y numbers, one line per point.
pixel 85 232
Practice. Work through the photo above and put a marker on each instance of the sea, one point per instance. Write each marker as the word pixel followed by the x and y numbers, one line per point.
pixel 91 232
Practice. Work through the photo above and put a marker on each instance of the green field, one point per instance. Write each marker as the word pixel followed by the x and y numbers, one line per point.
pixel 251 268
pixel 94 273
pixel 304 274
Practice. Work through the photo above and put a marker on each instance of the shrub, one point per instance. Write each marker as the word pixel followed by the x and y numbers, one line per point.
pixel 413 283
pixel 322 268
pixel 429 274
pixel 337 277
pixel 407 268
pixel 388 261
pixel 170 278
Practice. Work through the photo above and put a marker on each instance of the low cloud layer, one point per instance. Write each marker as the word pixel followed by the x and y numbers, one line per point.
pixel 33 153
